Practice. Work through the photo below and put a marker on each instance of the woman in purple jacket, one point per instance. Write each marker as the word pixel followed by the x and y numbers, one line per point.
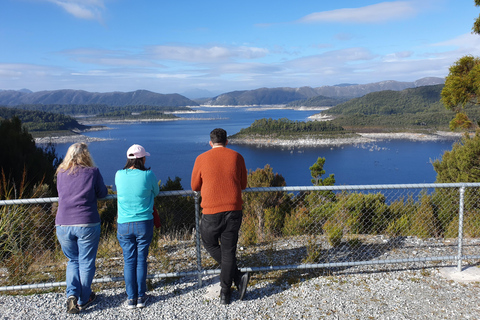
pixel 79 185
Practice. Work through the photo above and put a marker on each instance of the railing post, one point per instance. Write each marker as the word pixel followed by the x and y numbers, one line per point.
pixel 197 236
pixel 460 229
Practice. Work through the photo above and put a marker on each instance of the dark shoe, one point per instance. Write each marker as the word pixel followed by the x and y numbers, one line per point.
pixel 131 304
pixel 72 306
pixel 225 297
pixel 141 301
pixel 242 284
pixel 93 297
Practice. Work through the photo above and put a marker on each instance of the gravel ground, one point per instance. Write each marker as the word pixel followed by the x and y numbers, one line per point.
pixel 356 293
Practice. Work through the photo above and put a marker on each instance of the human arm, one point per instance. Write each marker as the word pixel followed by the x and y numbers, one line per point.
pixel 196 181
pixel 155 186
pixel 243 173
pixel 101 190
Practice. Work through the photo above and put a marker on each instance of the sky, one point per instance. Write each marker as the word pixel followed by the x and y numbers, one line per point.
pixel 222 46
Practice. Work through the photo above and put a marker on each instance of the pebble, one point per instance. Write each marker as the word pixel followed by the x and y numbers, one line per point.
pixel 352 293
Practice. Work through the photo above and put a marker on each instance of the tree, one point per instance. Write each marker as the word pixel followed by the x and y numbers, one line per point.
pixel 476 25
pixel 462 163
pixel 263 212
pixel 462 85
pixel 23 165
pixel 316 171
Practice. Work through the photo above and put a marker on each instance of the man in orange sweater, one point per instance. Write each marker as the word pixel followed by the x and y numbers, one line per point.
pixel 220 175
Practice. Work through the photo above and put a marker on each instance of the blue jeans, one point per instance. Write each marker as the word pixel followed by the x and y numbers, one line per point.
pixel 79 245
pixel 135 239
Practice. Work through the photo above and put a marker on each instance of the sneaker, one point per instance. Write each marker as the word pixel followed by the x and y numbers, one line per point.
pixel 131 303
pixel 93 297
pixel 141 301
pixel 225 297
pixel 72 306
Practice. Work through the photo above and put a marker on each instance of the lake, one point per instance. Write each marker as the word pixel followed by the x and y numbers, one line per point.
pixel 174 145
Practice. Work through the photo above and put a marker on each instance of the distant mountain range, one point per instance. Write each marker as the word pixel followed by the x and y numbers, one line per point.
pixel 262 96
pixel 80 97
pixel 286 95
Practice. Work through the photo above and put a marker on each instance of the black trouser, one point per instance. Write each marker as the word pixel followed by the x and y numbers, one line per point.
pixel 220 236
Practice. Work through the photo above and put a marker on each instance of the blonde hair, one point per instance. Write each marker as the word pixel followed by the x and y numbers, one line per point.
pixel 77 156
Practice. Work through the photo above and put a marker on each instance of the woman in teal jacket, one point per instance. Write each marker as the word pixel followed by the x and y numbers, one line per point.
pixel 136 187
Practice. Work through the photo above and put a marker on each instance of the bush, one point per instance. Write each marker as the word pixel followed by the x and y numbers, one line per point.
pixel 471 226
pixel 299 222
pixel 334 232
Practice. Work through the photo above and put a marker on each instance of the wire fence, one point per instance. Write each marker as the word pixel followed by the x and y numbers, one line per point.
pixel 283 228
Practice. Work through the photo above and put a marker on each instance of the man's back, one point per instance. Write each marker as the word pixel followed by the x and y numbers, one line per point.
pixel 220 174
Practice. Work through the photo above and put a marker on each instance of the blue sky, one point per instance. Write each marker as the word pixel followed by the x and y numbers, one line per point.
pixel 221 46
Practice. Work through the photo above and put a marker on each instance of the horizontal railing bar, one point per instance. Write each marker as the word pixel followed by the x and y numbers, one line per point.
pixel 249 269
pixel 272 189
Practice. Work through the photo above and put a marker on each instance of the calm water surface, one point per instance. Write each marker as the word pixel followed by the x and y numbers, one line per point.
pixel 174 146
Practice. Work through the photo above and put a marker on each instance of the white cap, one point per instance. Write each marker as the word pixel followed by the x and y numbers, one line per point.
pixel 136 151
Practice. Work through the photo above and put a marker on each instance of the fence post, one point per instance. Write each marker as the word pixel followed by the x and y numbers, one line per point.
pixel 197 236
pixel 460 229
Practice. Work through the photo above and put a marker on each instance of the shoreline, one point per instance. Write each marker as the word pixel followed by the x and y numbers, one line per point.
pixel 69 139
pixel 358 139
pixel 307 141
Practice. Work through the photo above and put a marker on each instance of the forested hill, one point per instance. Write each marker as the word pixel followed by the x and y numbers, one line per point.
pixel 421 99
pixel 80 97
pixel 318 101
pixel 410 109
pixel 42 121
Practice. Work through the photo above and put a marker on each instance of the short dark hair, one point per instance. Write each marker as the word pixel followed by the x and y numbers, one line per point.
pixel 136 163
pixel 218 136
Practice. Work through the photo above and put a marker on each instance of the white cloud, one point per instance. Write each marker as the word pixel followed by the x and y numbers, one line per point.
pixel 398 55
pixel 83 9
pixel 467 41
pixel 377 13
pixel 204 54
pixel 117 58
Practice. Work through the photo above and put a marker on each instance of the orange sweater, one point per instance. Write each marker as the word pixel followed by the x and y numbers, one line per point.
pixel 220 175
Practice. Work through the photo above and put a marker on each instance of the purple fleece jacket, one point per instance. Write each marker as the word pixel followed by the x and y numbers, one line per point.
pixel 77 196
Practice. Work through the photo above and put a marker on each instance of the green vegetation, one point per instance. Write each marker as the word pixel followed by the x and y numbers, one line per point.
pixel 23 165
pixel 462 87
pixel 462 163
pixel 264 212
pixel 417 109
pixel 352 214
pixel 36 121
pixel 52 119
pixel 26 171
pixel 288 129
pixel 388 102
pixel 124 115
pixel 319 101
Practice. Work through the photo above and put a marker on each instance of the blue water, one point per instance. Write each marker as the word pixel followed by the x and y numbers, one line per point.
pixel 174 146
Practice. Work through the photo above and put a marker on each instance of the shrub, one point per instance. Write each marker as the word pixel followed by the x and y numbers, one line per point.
pixel 471 226
pixel 299 222
pixel 334 232
pixel 314 251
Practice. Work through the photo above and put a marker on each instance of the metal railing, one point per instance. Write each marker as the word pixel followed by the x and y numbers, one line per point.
pixel 283 228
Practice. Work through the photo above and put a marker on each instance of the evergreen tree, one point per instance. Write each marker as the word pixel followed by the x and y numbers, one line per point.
pixel 23 165
pixel 462 163
pixel 462 85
